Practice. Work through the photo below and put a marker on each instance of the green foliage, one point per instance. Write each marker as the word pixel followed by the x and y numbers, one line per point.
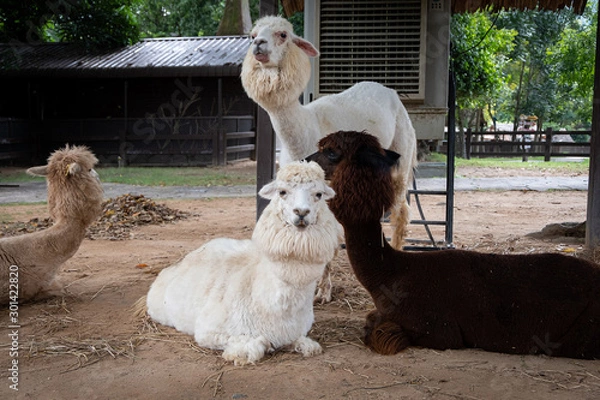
pixel 94 24
pixel 572 60
pixel 164 18
pixel 99 24
pixel 479 52
pixel 23 21
pixel 544 67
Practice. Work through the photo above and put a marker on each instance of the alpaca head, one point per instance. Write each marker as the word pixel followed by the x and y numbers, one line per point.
pixel 276 68
pixel 299 190
pixel 361 174
pixel 297 223
pixel 74 190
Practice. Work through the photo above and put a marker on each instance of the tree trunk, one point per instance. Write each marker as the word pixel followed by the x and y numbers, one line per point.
pixel 236 18
pixel 460 137
pixel 518 98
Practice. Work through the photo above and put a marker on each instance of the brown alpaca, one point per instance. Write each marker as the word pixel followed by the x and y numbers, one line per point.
pixel 450 299
pixel 29 263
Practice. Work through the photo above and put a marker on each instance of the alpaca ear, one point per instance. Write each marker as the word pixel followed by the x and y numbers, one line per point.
pixel 306 46
pixel 328 193
pixel 72 169
pixel 268 191
pixel 371 156
pixel 392 156
pixel 38 171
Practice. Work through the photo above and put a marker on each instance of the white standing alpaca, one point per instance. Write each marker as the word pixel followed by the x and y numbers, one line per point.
pixel 247 297
pixel 275 72
pixel 29 263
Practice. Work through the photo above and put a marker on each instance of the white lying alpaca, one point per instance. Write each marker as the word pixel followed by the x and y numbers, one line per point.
pixel 248 297
pixel 275 72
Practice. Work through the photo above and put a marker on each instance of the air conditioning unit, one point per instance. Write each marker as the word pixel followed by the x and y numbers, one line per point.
pixel 368 40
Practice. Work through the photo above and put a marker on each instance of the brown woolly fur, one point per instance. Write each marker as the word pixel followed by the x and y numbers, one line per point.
pixel 386 337
pixel 73 193
pixel 352 169
pixel 74 201
pixel 273 87
pixel 449 299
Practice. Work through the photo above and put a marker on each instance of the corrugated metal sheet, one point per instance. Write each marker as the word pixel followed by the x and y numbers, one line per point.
pixel 191 56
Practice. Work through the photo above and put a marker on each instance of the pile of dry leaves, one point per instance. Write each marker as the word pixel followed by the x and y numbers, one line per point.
pixel 119 216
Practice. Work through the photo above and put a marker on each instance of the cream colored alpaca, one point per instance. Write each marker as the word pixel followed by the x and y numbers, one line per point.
pixel 275 72
pixel 30 262
pixel 248 297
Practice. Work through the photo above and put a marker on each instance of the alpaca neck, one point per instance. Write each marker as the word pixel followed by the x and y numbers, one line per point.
pixel 57 243
pixel 368 251
pixel 296 127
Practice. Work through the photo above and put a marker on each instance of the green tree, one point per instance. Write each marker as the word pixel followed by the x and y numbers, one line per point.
pixel 23 21
pixel 479 52
pixel 530 75
pixel 572 60
pixel 94 24
pixel 99 24
pixel 164 18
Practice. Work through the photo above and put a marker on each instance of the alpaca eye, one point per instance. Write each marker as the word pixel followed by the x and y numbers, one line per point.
pixel 319 195
pixel 332 155
pixel 283 35
pixel 282 193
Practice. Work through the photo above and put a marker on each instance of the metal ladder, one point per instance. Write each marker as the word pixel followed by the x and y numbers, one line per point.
pixel 431 243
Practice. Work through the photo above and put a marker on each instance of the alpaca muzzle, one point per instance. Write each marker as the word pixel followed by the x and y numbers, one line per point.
pixel 300 220
pixel 260 51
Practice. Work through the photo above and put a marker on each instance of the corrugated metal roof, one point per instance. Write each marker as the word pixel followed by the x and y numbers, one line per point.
pixel 189 56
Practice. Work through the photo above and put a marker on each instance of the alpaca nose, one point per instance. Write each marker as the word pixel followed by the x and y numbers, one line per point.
pixel 258 42
pixel 301 212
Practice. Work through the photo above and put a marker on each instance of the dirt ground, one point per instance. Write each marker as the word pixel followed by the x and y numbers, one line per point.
pixel 89 344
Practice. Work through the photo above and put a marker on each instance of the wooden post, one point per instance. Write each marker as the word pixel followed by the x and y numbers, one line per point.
pixel 221 142
pixel 548 146
pixel 592 232
pixel 265 136
pixel 468 139
pixel 123 161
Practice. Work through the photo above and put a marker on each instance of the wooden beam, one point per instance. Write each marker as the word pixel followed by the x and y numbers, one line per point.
pixel 265 156
pixel 265 135
pixel 592 234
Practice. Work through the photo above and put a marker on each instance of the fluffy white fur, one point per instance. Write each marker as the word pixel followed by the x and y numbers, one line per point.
pixel 275 72
pixel 248 297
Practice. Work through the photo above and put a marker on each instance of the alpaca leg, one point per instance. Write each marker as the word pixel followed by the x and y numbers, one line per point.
pixel 384 337
pixel 324 287
pixel 399 219
pixel 306 346
pixel 244 350
pixel 400 210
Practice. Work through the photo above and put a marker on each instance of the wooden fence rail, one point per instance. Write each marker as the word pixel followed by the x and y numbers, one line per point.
pixel 524 144
pixel 182 141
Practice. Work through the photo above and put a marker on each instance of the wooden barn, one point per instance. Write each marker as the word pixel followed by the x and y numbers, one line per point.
pixel 172 101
